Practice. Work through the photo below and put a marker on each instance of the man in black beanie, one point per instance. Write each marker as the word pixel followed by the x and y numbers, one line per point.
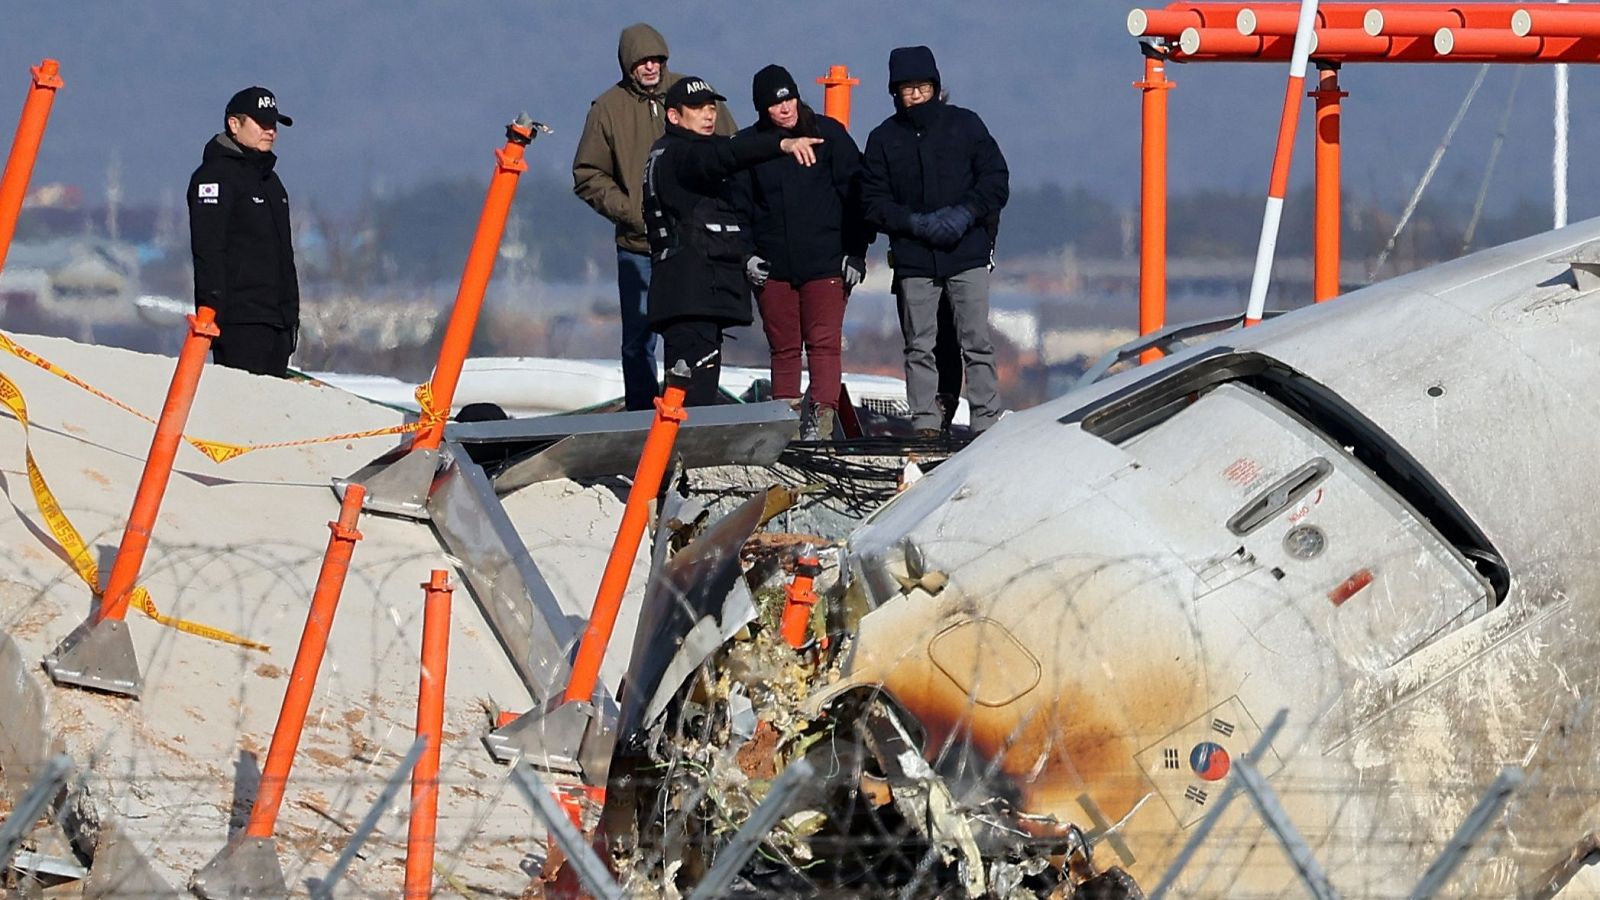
pixel 698 244
pixel 934 180
pixel 239 234
pixel 810 246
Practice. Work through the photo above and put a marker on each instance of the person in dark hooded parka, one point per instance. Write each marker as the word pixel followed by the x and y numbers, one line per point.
pixel 934 180
pixel 623 122
pixel 810 244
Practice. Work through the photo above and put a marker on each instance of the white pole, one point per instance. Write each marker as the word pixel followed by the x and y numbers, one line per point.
pixel 1559 163
pixel 1279 185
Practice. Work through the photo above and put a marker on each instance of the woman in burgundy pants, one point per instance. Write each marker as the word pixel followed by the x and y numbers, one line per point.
pixel 810 245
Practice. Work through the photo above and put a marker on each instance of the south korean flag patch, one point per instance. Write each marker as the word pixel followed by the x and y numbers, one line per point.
pixel 211 191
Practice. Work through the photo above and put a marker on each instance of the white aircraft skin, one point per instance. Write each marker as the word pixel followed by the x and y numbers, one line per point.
pixel 1124 595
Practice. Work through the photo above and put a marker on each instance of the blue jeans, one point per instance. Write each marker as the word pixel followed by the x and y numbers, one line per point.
pixel 638 341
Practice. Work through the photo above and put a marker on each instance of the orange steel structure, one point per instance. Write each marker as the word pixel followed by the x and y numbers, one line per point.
pixel 430 724
pixel 509 166
pixel 1527 33
pixel 1153 200
pixel 635 515
pixel 1325 272
pixel 158 465
pixel 836 94
pixel 25 149
pixel 303 677
pixel 799 598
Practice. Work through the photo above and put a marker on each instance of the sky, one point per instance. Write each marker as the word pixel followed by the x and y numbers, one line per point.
pixel 385 94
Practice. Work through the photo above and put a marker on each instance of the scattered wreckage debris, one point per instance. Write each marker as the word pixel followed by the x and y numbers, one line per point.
pixel 718 704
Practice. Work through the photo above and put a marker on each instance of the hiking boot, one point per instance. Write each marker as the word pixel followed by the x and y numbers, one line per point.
pixel 822 423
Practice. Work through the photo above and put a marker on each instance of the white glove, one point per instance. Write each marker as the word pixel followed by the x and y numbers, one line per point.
pixel 757 270
pixel 854 270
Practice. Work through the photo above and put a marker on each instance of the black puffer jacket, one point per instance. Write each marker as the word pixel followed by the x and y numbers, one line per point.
pixel 698 243
pixel 927 157
pixel 807 218
pixel 239 233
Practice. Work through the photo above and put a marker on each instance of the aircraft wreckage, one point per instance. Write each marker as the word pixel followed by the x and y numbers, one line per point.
pixel 1339 562
pixel 1047 661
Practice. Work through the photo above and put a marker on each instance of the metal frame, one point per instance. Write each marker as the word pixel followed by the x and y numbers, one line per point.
pixel 461 499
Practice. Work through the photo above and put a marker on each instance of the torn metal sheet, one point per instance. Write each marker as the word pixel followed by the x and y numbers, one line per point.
pixel 536 632
pixel 596 445
pixel 48 870
pixel 696 604
pixel 397 483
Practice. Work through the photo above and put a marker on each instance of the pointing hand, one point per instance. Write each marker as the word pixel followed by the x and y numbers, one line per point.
pixel 801 149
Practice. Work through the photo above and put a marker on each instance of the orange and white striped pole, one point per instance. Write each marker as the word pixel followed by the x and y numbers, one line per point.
pixel 1279 185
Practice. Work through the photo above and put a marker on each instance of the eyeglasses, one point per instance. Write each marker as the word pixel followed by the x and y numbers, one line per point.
pixel 916 87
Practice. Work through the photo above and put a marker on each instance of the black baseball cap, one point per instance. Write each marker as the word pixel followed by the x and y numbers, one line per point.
pixel 258 103
pixel 691 90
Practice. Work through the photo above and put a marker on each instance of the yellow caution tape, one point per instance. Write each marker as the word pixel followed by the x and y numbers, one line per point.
pixel 222 451
pixel 77 548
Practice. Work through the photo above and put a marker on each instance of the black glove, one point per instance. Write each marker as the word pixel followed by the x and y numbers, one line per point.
pixel 949 224
pixel 922 226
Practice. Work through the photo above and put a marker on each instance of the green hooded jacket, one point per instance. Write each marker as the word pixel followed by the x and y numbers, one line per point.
pixel 608 169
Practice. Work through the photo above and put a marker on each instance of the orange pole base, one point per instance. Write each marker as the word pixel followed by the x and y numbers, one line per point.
pixel 646 484
pixel 158 464
pixel 430 724
pixel 303 678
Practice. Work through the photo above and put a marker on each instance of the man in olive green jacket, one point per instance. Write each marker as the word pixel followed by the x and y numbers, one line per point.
pixel 607 173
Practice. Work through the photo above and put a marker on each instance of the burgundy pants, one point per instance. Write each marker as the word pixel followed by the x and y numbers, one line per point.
pixel 809 317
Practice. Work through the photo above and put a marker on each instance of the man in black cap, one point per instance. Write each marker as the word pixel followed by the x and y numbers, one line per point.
pixel 698 246
pixel 239 234
pixel 934 180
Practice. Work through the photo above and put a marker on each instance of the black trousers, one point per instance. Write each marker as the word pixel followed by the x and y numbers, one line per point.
pixel 256 348
pixel 698 342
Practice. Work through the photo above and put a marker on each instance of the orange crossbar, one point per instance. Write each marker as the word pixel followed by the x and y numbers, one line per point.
pixel 1565 22
pixel 1479 45
pixel 1175 18
pixel 1264 20
pixel 1469 45
pixel 1230 43
pixel 303 678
